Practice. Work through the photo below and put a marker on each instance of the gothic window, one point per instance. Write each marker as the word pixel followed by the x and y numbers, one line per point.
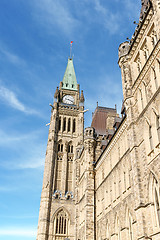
pixel 130 227
pixel 117 228
pixel 58 173
pixel 74 125
pixel 107 232
pixel 64 124
pixel 69 174
pixel 158 126
pixel 154 77
pixel 139 67
pixel 69 125
pixel 140 100
pixel 59 124
pixel 70 148
pixel 156 200
pixel 60 147
pixel 150 137
pixel 61 223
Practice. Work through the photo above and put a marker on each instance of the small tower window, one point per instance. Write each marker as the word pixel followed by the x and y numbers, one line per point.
pixel 74 125
pixel 59 124
pixel 69 148
pixel 64 124
pixel 72 149
pixel 66 84
pixel 69 125
pixel 72 85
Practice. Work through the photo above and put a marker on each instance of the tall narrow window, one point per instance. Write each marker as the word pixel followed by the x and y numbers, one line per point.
pixel 74 125
pixel 118 231
pixel 59 124
pixel 72 149
pixel 150 137
pixel 158 126
pixel 155 77
pixel 69 125
pixel 64 124
pixel 61 223
pixel 130 227
pixel 156 198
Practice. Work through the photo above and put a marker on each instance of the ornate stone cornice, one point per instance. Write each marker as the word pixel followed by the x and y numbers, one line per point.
pixel 146 67
pixel 112 143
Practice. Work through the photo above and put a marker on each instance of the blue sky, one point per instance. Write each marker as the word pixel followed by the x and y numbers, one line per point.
pixel 34 47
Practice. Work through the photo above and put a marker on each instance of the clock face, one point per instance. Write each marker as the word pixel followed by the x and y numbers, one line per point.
pixel 68 99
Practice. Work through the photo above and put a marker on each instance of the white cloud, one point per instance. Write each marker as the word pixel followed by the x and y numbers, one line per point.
pixel 12 57
pixel 33 151
pixel 10 98
pixel 11 231
pixel 55 13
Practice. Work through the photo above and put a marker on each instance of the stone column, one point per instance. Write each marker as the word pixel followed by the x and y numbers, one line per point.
pixel 46 196
pixel 89 144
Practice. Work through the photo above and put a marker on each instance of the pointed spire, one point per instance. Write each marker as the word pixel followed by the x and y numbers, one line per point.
pixel 82 97
pixel 69 79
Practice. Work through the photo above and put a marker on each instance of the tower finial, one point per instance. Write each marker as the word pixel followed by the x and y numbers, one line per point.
pixel 71 49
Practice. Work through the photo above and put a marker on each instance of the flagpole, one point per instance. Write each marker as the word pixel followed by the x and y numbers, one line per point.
pixel 71 49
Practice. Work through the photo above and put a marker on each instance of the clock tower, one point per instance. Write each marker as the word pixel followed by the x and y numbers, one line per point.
pixel 57 209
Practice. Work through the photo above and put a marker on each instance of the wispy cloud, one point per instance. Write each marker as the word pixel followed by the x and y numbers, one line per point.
pixel 10 98
pixel 11 57
pixel 24 232
pixel 55 14
pixel 33 151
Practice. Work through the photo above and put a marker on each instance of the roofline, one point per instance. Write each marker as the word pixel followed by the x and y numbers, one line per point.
pixel 95 163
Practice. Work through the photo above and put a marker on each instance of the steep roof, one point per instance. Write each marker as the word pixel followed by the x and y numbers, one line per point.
pixel 99 119
pixel 69 79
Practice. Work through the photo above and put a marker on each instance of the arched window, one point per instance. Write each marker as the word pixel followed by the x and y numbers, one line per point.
pixel 150 137
pixel 117 229
pixel 155 77
pixel 130 229
pixel 60 147
pixel 69 148
pixel 72 149
pixel 158 126
pixel 74 125
pixel 64 124
pixel 107 232
pixel 69 125
pixel 140 100
pixel 155 196
pixel 61 222
pixel 59 124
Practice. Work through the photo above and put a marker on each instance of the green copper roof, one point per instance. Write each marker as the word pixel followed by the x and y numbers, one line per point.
pixel 69 79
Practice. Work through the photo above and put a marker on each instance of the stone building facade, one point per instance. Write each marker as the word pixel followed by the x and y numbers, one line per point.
pixel 104 182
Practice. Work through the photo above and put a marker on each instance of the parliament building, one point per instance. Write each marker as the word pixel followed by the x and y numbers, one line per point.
pixel 103 182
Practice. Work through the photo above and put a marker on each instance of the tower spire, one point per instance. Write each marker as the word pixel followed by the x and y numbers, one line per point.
pixel 69 79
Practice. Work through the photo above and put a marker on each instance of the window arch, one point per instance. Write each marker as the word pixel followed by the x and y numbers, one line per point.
pixel 61 224
pixel 59 124
pixel 74 125
pixel 154 77
pixel 140 100
pixel 155 196
pixel 64 124
pixel 107 232
pixel 69 125
pixel 117 229
pixel 129 221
